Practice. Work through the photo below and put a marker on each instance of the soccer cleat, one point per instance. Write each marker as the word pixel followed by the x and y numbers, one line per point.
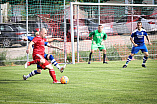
pixel 24 77
pixel 27 64
pixel 143 65
pixel 89 62
pixel 105 62
pixel 56 81
pixel 62 68
pixel 124 66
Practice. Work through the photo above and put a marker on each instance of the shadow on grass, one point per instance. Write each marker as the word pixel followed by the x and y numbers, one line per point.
pixel 10 81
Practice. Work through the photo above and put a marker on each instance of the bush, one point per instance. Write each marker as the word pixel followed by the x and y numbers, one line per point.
pixel 3 58
pixel 112 54
pixel 21 60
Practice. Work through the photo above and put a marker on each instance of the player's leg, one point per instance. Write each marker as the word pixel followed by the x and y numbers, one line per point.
pixel 46 65
pixel 128 60
pixel 29 63
pixel 52 73
pixel 104 54
pixel 34 72
pixel 104 58
pixel 35 61
pixel 134 51
pixel 53 61
pixel 93 47
pixel 145 51
pixel 90 56
pixel 145 59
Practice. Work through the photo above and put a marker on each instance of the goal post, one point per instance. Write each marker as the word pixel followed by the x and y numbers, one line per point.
pixel 119 11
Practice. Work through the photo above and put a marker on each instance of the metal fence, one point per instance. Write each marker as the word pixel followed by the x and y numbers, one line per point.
pixel 55 17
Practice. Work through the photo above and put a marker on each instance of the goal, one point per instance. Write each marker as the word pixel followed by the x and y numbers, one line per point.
pixel 118 20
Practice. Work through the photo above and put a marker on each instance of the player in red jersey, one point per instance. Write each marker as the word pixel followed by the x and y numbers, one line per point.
pixel 38 54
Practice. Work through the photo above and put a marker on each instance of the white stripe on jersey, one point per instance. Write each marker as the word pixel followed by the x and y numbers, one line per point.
pixel 137 30
pixel 39 56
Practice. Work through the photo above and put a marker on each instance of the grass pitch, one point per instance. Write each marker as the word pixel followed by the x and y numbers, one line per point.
pixel 94 83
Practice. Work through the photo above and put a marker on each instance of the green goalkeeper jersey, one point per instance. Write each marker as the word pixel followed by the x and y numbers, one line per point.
pixel 97 37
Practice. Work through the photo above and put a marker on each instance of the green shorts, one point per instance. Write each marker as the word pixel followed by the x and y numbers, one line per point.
pixel 97 46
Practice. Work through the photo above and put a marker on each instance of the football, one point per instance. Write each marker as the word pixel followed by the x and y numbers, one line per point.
pixel 64 80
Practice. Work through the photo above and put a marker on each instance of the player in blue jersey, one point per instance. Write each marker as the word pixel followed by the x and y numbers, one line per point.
pixel 137 39
pixel 46 56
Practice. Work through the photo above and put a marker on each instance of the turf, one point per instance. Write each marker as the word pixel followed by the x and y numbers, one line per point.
pixel 94 83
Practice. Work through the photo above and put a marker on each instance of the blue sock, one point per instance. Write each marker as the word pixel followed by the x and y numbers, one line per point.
pixel 32 73
pixel 53 61
pixel 144 59
pixel 51 57
pixel 129 59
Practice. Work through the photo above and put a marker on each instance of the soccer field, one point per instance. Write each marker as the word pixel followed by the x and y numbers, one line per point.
pixel 95 83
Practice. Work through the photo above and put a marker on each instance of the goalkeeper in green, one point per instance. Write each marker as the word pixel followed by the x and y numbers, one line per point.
pixel 97 36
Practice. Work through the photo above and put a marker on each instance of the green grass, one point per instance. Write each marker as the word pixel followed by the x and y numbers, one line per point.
pixel 94 83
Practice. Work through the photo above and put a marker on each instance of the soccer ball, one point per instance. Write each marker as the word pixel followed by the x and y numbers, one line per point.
pixel 64 80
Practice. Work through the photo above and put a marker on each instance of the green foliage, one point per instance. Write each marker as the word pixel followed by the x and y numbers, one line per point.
pixel 152 50
pixel 22 60
pixel 113 54
pixel 69 57
pixel 96 83
pixel 84 55
pixel 17 61
pixel 3 58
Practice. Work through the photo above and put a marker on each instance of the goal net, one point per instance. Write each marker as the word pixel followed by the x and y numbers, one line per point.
pixel 118 20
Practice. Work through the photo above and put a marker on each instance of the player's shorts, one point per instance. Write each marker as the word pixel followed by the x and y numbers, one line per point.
pixel 97 46
pixel 38 57
pixel 142 47
pixel 45 56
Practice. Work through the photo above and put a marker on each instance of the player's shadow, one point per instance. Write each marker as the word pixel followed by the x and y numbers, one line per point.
pixel 99 67
pixel 10 81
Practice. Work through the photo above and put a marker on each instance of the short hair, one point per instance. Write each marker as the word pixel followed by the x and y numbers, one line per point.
pixel 37 33
pixel 100 25
pixel 139 23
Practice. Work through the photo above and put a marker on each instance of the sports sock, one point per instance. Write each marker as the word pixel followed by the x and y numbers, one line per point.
pixel 128 60
pixel 34 72
pixel 144 59
pixel 53 61
pixel 52 74
pixel 104 57
pixel 90 55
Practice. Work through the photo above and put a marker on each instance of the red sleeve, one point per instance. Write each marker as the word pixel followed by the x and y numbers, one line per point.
pixel 45 39
pixel 34 39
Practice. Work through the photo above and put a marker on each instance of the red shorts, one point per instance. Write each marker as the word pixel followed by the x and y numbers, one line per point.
pixel 37 59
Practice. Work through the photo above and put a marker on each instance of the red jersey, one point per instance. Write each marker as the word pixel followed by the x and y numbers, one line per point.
pixel 39 45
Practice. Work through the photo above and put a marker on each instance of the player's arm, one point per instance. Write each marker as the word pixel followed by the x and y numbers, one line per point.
pixel 91 36
pixel 29 38
pixel 29 47
pixel 51 46
pixel 148 39
pixel 104 38
pixel 131 39
pixel 52 39
pixel 24 38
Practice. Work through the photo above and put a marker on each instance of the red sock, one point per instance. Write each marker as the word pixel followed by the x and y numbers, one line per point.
pixel 52 74
pixel 35 61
